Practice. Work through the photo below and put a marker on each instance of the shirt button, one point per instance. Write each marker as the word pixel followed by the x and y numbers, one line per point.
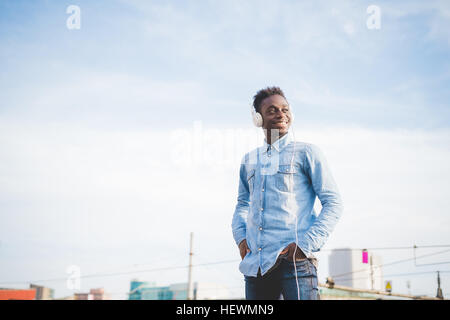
pixel 263 190
pixel 260 228
pixel 261 209
pixel 259 249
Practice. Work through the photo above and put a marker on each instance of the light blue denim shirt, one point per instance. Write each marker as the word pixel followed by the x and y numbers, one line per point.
pixel 274 196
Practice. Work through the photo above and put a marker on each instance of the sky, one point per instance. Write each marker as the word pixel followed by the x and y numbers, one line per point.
pixel 121 137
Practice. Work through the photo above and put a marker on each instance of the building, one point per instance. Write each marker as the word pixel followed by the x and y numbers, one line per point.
pixel 161 293
pixel 42 293
pixel 94 294
pixel 136 288
pixel 17 294
pixel 201 291
pixel 356 268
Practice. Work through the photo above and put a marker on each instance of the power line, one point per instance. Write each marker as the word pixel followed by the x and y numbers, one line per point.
pixel 232 261
pixel 426 264
pixel 387 248
pixel 119 273
pixel 216 270
pixel 391 263
pixel 397 275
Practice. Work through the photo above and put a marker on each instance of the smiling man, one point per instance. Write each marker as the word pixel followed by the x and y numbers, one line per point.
pixel 274 224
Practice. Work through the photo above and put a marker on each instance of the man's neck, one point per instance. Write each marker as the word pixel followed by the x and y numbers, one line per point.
pixel 275 138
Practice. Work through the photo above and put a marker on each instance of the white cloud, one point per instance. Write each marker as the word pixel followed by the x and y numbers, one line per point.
pixel 437 20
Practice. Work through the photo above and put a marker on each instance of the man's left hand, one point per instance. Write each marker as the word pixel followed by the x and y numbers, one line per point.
pixel 290 249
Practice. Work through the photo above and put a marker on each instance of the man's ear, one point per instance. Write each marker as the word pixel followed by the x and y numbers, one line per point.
pixel 263 121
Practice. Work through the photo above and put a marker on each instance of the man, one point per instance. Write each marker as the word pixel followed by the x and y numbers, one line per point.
pixel 274 224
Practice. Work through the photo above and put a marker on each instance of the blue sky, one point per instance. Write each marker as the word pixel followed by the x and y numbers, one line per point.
pixel 228 50
pixel 86 118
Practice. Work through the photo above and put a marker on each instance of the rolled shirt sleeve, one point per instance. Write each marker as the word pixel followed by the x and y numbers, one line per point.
pixel 239 221
pixel 322 181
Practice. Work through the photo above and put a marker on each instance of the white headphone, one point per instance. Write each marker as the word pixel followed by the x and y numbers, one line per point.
pixel 258 119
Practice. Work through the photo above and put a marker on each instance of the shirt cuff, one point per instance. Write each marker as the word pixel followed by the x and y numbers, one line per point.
pixel 238 237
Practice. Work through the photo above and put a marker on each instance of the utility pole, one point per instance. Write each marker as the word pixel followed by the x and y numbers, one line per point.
pixel 189 288
pixel 439 294
pixel 371 271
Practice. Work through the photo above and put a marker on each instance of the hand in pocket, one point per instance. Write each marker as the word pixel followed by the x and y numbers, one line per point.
pixel 290 249
pixel 243 248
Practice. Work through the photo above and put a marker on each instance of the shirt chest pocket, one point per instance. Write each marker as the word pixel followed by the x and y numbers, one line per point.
pixel 251 180
pixel 285 177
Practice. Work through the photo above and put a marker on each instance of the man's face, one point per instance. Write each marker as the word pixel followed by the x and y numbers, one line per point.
pixel 276 114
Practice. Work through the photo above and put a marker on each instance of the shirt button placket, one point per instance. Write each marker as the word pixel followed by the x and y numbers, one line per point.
pixel 263 181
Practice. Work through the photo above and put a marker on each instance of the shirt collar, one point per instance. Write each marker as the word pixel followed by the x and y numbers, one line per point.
pixel 279 144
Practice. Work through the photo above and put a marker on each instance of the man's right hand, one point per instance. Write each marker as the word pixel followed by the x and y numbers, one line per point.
pixel 243 248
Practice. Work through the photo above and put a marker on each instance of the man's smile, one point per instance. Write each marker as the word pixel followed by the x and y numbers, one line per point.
pixel 285 122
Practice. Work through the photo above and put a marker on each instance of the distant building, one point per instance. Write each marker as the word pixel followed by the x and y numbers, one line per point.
pixel 94 294
pixel 201 291
pixel 99 294
pixel 17 294
pixel 352 268
pixel 82 296
pixel 136 288
pixel 161 293
pixel 42 293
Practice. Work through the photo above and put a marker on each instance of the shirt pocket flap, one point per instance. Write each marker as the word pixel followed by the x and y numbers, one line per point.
pixel 287 169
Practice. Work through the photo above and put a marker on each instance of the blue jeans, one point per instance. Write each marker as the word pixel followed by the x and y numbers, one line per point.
pixel 280 282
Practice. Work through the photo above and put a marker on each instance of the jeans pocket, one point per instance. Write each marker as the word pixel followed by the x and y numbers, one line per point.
pixel 301 267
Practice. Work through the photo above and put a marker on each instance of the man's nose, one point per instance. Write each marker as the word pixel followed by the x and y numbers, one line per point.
pixel 281 115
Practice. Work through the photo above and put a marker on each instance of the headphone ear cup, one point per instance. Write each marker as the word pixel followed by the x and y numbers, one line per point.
pixel 257 119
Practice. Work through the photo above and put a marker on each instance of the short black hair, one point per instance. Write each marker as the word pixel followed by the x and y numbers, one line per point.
pixel 264 93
